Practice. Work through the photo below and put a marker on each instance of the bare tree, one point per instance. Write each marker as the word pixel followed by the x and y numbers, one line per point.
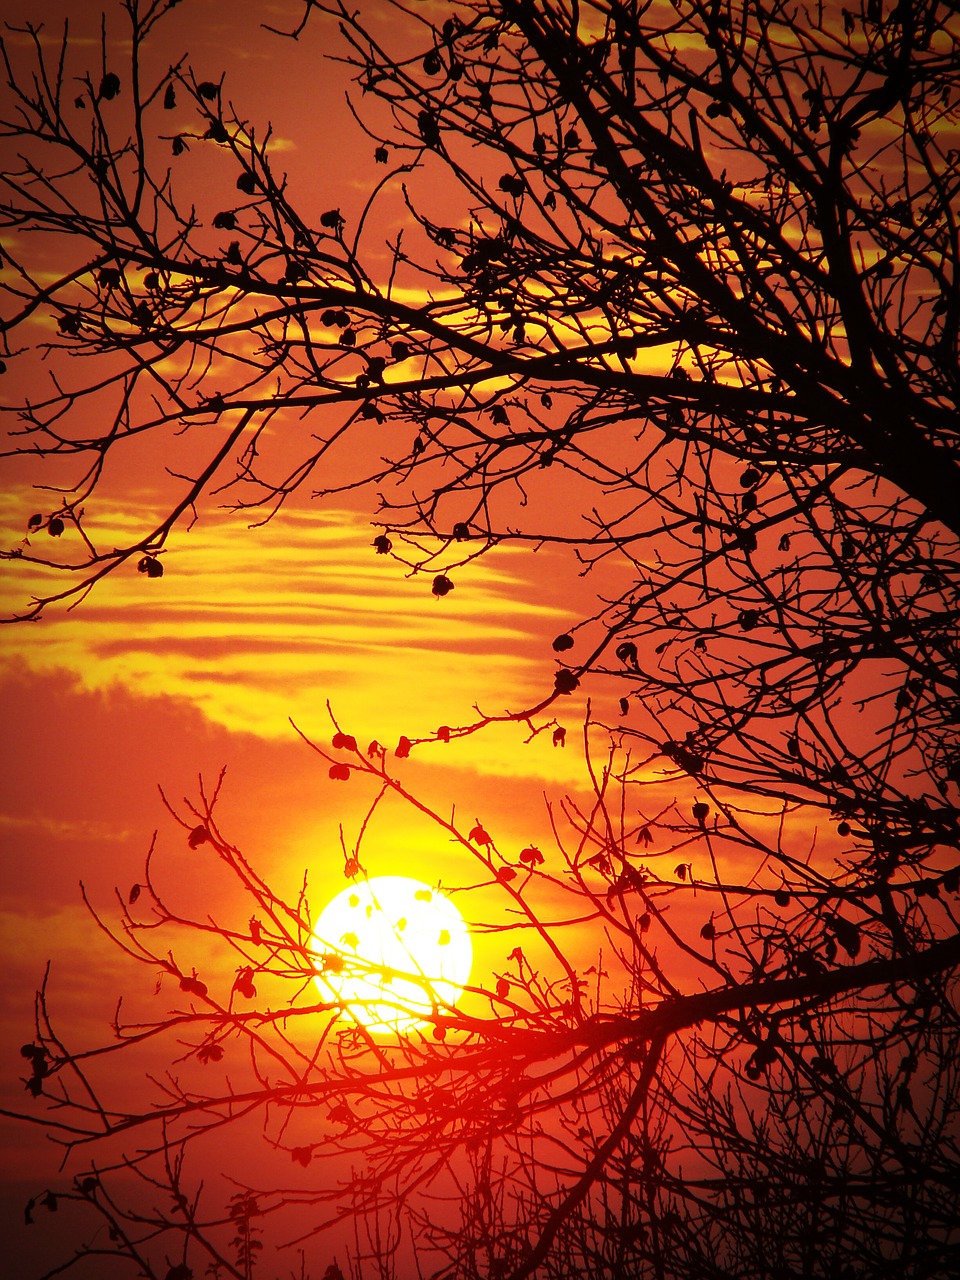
pixel 696 269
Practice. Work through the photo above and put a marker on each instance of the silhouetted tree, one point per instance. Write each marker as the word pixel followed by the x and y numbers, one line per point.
pixel 694 267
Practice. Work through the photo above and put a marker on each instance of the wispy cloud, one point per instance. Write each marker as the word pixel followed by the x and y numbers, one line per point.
pixel 252 628
pixel 63 829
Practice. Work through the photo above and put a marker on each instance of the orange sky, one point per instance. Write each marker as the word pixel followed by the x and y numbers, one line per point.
pixel 153 683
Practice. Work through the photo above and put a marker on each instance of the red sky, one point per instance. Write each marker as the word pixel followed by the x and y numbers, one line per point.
pixel 153 683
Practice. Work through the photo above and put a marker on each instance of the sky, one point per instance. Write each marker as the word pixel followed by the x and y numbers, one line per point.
pixel 156 684
pixel 253 643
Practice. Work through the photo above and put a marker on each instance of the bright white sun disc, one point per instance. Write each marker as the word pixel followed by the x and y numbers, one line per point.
pixel 393 951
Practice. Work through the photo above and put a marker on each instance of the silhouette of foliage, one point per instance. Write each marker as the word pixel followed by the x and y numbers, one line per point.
pixel 693 267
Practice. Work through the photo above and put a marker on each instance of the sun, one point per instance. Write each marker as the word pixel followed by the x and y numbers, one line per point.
pixel 393 951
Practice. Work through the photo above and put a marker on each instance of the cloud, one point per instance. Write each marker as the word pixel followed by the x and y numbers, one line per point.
pixel 63 829
pixel 252 628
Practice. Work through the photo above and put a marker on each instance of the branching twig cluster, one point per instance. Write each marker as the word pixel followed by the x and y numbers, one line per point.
pixel 688 305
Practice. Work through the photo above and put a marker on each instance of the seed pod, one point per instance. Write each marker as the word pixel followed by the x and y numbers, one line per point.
pixel 565 681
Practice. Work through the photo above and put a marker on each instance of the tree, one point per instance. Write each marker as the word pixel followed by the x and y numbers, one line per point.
pixel 694 267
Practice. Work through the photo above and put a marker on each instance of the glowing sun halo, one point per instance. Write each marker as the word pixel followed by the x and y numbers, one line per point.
pixel 393 951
